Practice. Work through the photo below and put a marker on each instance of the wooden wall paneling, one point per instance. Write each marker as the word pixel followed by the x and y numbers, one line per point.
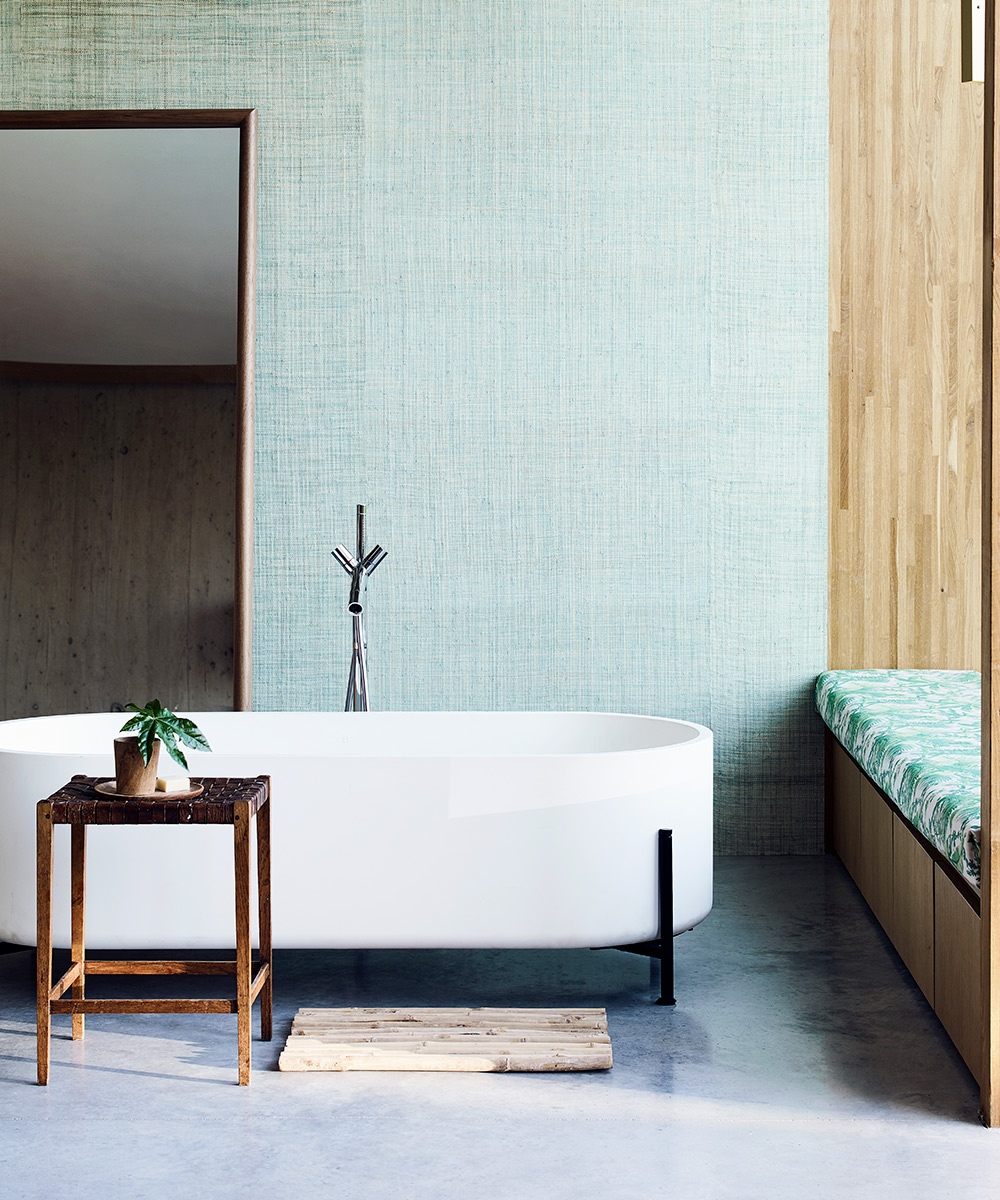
pixel 905 323
pixel 116 546
pixel 957 1000
pixel 913 906
pixel 876 854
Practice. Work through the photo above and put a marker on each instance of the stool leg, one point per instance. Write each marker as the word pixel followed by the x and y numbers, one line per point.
pixel 43 909
pixel 78 885
pixel 241 836
pixel 264 911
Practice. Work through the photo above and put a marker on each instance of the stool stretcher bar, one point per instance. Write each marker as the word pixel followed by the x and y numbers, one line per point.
pixel 77 1007
pixel 160 966
pixel 155 967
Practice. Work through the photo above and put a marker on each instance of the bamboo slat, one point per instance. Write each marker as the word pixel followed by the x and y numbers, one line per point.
pixel 377 1059
pixel 528 1016
pixel 444 1033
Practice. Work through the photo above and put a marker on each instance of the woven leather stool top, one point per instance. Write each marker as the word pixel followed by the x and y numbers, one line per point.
pixel 77 803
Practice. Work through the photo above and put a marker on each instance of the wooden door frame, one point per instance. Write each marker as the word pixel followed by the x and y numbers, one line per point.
pixel 990 817
pixel 245 120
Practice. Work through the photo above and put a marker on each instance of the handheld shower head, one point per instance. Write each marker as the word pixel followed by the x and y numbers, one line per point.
pixel 361 531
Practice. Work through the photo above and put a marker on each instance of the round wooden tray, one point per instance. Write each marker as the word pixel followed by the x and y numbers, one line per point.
pixel 108 789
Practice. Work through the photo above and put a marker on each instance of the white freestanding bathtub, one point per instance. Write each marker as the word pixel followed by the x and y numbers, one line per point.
pixel 389 830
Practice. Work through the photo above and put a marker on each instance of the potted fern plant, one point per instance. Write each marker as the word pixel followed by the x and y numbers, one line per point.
pixel 137 753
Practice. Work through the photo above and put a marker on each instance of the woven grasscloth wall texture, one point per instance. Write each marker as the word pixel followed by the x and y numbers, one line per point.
pixel 542 282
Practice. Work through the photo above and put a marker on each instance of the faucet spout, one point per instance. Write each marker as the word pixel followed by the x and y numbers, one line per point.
pixel 358 580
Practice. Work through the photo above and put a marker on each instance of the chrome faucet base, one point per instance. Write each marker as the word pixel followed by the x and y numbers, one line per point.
pixel 357 680
pixel 359 567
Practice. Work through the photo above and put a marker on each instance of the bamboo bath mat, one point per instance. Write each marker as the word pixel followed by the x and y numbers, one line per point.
pixel 448 1039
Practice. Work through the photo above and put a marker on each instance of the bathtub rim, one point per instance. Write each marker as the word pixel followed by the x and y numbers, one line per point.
pixel 702 734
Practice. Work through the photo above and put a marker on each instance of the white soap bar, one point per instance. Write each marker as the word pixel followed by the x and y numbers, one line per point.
pixel 173 783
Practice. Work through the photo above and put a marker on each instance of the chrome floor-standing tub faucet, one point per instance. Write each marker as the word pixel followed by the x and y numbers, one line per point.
pixel 359 568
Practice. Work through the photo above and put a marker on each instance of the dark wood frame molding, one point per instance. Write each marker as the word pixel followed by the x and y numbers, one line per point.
pixel 244 119
pixel 42 372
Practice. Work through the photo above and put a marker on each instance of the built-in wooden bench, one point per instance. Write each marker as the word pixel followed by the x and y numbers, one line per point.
pixel 929 912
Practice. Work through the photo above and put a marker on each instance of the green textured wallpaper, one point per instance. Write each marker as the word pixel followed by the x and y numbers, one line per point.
pixel 542 282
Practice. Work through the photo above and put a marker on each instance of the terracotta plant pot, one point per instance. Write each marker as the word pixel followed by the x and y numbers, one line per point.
pixel 132 777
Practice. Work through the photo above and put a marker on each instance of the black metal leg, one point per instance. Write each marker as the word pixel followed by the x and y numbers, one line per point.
pixel 665 880
pixel 662 947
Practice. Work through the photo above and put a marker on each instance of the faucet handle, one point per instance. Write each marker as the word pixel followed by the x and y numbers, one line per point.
pixel 372 559
pixel 346 559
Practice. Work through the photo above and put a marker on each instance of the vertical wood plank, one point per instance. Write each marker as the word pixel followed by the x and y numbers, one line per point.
pixel 247 315
pixel 130 488
pixel 905 326
pixel 43 940
pixel 241 838
pixel 989 981
pixel 78 903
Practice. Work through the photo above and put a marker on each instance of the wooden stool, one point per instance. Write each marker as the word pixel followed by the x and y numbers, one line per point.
pixel 223 802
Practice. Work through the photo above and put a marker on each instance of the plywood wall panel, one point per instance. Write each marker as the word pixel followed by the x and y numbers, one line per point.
pixel 905 327
pixel 117 510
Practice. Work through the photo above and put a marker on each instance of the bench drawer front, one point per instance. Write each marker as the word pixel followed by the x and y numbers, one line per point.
pixel 875 879
pixel 913 906
pixel 957 986
pixel 843 794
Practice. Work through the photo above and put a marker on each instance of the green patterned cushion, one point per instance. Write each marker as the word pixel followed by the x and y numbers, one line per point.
pixel 917 735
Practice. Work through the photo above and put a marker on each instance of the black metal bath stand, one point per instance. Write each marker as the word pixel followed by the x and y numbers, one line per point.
pixel 359 568
pixel 662 947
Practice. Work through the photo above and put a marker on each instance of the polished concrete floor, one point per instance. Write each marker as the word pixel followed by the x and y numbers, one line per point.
pixel 800 1061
